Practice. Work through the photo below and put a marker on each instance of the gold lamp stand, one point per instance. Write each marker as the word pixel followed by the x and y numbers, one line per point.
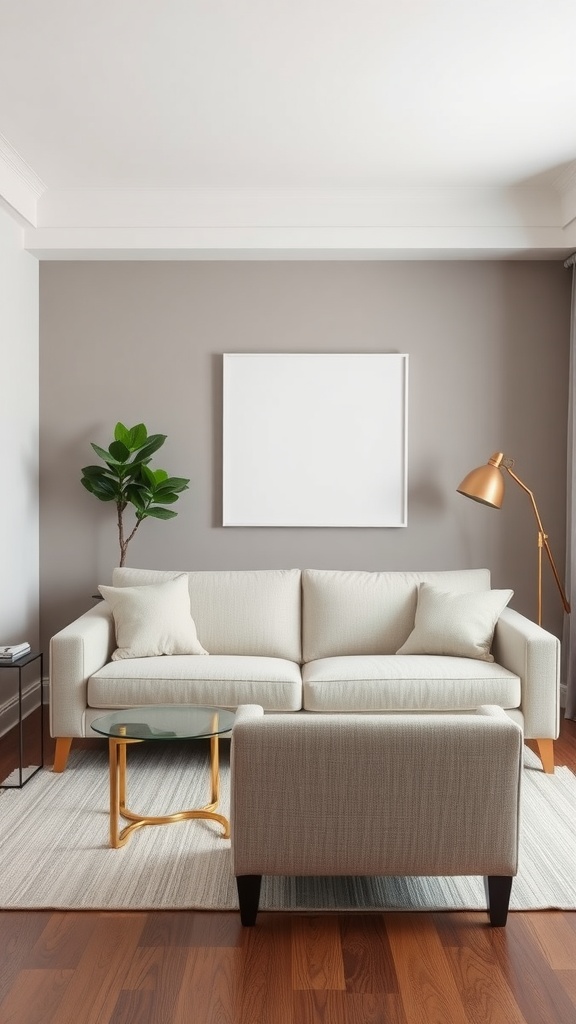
pixel 486 485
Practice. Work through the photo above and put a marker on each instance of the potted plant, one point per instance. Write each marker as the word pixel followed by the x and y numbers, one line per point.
pixel 126 478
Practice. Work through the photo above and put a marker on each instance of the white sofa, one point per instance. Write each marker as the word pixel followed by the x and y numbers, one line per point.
pixel 306 641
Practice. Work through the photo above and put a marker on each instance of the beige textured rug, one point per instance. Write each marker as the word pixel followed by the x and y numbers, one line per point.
pixel 55 853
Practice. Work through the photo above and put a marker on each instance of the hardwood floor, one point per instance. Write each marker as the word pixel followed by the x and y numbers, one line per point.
pixel 204 968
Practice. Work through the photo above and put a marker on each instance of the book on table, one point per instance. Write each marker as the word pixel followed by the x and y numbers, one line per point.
pixel 10 652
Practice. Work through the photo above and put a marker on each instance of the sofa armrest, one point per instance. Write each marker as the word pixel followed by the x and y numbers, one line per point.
pixel 533 654
pixel 77 651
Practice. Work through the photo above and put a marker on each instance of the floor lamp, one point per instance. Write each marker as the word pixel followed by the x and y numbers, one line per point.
pixel 486 485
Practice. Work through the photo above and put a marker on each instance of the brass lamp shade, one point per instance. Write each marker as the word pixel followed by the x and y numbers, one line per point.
pixel 486 483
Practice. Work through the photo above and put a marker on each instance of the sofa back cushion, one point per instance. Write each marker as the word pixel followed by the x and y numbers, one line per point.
pixel 351 612
pixel 244 611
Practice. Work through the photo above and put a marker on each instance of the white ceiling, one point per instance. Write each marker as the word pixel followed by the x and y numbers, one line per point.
pixel 244 127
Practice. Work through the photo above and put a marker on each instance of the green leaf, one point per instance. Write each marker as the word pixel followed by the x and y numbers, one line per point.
pixel 95 471
pixel 155 441
pixel 160 513
pixel 106 456
pixel 98 491
pixel 159 475
pixel 135 497
pixel 137 438
pixel 174 483
pixel 165 496
pixel 121 433
pixel 119 451
pixel 148 476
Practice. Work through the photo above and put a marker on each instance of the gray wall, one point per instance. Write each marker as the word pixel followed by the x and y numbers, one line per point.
pixel 143 341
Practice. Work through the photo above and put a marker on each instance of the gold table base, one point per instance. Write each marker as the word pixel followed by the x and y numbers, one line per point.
pixel 117 759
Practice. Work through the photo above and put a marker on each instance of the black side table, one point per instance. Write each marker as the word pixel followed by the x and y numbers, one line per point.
pixel 23 773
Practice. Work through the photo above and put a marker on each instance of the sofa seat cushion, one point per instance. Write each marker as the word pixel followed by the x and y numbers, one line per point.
pixel 407 683
pixel 222 680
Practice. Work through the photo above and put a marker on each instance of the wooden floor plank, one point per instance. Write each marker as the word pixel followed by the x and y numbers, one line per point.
pixel 556 937
pixel 317 961
pixel 19 932
pixel 427 986
pixel 264 992
pixel 98 979
pixel 191 928
pixel 483 988
pixel 322 1007
pixel 534 984
pixel 62 941
pixel 35 996
pixel 568 981
pixel 209 990
pixel 368 961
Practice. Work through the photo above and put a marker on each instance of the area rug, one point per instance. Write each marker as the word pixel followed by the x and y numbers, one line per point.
pixel 55 853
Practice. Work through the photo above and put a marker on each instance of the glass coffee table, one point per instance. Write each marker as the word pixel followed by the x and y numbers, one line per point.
pixel 160 722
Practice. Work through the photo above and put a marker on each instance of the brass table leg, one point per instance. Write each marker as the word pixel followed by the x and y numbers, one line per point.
pixel 118 809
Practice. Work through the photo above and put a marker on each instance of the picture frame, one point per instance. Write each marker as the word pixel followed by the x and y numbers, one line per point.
pixel 315 439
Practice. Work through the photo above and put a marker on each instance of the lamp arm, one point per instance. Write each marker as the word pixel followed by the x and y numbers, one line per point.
pixel 543 536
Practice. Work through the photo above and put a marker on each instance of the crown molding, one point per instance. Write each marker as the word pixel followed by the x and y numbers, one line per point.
pixel 20 186
pixel 520 222
pixel 305 242
pixel 275 207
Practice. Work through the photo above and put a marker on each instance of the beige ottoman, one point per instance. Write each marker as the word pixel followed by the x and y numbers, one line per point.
pixel 375 795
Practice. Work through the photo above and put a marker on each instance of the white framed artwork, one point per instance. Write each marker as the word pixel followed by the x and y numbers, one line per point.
pixel 315 439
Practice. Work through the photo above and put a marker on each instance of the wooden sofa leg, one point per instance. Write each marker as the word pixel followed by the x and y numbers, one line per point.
pixel 63 744
pixel 248 897
pixel 498 889
pixel 546 753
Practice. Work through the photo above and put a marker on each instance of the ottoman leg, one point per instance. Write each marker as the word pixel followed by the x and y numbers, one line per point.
pixel 498 889
pixel 248 897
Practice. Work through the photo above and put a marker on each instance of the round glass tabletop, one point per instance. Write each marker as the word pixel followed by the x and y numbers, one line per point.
pixel 165 722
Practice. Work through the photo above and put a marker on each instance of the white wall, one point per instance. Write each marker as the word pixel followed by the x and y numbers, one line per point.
pixel 19 429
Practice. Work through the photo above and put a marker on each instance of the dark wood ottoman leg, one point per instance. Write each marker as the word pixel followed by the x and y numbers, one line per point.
pixel 498 889
pixel 248 897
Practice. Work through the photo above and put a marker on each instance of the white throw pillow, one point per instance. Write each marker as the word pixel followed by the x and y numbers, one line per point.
pixel 153 620
pixel 455 625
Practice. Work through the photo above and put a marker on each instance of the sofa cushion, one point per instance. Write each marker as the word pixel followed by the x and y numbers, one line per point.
pixel 349 612
pixel 152 620
pixel 408 682
pixel 220 680
pixel 247 612
pixel 458 625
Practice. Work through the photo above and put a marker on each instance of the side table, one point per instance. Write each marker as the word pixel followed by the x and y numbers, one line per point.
pixel 22 774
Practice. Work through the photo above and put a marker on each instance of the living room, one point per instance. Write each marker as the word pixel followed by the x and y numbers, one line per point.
pixel 126 276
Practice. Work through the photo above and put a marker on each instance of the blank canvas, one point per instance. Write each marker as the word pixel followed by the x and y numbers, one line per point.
pixel 315 439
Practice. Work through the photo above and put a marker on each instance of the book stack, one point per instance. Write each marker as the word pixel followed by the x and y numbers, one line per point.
pixel 13 651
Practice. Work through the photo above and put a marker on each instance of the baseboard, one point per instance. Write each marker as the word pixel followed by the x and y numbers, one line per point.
pixel 9 707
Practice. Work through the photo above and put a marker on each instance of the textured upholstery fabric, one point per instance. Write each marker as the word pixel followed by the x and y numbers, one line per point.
pixel 458 625
pixel 368 612
pixel 267 605
pixel 406 683
pixel 248 612
pixel 375 795
pixel 221 679
pixel 153 620
pixel 534 654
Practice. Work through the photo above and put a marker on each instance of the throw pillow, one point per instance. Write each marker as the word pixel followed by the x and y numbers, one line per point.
pixel 457 625
pixel 153 619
